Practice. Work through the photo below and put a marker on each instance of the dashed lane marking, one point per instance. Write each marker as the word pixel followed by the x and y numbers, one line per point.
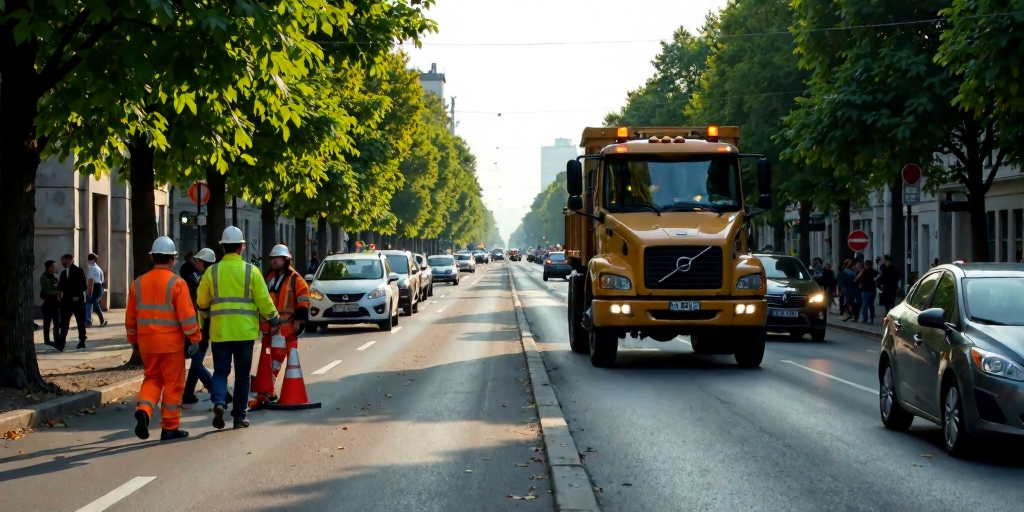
pixel 327 368
pixel 396 329
pixel 440 310
pixel 367 345
pixel 112 497
pixel 833 377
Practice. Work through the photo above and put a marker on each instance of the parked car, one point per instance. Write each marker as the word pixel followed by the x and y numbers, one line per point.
pixel 426 277
pixel 953 353
pixel 497 255
pixel 466 262
pixel 444 269
pixel 403 264
pixel 350 289
pixel 556 266
pixel 796 302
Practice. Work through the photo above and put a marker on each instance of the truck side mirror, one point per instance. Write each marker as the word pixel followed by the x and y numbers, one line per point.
pixel 764 183
pixel 575 203
pixel 574 178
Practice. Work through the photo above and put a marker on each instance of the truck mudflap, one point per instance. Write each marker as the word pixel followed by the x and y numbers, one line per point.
pixel 635 314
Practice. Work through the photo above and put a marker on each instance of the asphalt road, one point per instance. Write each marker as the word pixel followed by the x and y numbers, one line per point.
pixel 433 417
pixel 668 430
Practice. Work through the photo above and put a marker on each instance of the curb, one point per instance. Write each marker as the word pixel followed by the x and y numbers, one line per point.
pixel 68 405
pixel 571 486
pixel 856 330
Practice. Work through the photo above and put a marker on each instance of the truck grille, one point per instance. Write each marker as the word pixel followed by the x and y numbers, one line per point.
pixel 795 301
pixel 705 272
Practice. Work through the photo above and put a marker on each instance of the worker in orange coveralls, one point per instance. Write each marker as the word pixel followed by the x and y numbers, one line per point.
pixel 290 293
pixel 161 322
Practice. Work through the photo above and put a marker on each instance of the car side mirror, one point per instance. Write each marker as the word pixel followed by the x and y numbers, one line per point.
pixel 393 277
pixel 574 177
pixel 934 318
pixel 575 203
pixel 309 277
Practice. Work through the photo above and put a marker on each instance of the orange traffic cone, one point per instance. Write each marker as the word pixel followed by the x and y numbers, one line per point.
pixel 263 384
pixel 293 392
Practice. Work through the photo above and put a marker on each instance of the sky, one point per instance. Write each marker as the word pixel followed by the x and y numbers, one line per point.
pixel 550 67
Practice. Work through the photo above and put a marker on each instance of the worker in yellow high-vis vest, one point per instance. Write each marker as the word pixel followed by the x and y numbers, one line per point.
pixel 235 297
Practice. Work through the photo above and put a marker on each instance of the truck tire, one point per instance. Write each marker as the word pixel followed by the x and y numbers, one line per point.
pixel 578 340
pixel 750 347
pixel 604 346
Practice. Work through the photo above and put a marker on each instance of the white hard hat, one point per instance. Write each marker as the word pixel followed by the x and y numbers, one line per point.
pixel 164 245
pixel 232 235
pixel 206 255
pixel 280 250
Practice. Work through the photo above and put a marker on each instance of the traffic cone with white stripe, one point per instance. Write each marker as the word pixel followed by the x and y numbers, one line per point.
pixel 263 382
pixel 293 392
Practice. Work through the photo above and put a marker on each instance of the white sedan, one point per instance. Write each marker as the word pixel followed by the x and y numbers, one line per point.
pixel 351 289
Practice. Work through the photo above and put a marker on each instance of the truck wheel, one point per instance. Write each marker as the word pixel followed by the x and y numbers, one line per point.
pixel 750 347
pixel 578 341
pixel 604 346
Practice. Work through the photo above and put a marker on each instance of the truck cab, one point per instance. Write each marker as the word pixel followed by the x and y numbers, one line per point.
pixel 656 230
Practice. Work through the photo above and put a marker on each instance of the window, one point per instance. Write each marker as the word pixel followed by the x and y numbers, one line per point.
pixel 784 268
pixel 399 263
pixel 991 220
pixel 1018 236
pixel 638 183
pixel 919 299
pixel 440 261
pixel 945 296
pixel 340 270
pixel 1004 235
pixel 995 300
pixel 557 256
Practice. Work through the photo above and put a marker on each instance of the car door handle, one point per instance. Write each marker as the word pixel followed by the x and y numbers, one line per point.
pixel 918 340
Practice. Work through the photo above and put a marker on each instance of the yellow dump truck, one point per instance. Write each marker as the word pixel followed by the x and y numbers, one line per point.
pixel 656 231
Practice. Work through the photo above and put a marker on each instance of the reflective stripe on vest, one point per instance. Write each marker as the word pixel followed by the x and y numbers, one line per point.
pixel 149 314
pixel 285 302
pixel 245 299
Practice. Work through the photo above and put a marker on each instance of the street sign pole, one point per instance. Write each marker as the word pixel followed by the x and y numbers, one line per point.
pixel 911 175
pixel 199 211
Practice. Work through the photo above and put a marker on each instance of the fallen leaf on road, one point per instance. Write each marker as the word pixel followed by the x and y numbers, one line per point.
pixel 564 445
pixel 13 435
pixel 21 452
pixel 387 396
pixel 627 484
pixel 591 450
pixel 344 428
pixel 928 456
pixel 598 489
pixel 535 459
pixel 536 477
pixel 487 458
pixel 340 448
pixel 248 453
pixel 527 498
pixel 523 465
pixel 918 465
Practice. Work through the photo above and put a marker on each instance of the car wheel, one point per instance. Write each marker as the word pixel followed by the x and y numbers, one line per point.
pixel 387 324
pixel 894 416
pixel 954 430
pixel 416 306
pixel 455 282
pixel 604 346
pixel 407 309
pixel 545 275
pixel 394 318
pixel 311 327
pixel 430 290
pixel 818 336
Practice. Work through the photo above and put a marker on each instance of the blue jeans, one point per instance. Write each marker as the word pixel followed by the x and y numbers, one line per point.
pixel 197 372
pixel 93 304
pixel 867 306
pixel 223 353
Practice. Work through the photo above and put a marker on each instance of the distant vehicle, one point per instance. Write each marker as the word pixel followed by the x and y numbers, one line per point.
pixel 481 257
pixel 351 289
pixel 513 255
pixel 466 261
pixel 426 277
pixel 444 269
pixel 953 353
pixel 556 266
pixel 497 254
pixel 403 264
pixel 796 303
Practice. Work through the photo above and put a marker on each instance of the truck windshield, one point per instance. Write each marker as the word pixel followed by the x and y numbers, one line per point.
pixel 683 183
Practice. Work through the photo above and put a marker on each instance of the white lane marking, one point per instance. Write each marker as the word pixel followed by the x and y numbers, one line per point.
pixel 442 296
pixel 112 497
pixel 396 329
pixel 433 302
pixel 327 368
pixel 440 310
pixel 367 345
pixel 679 338
pixel 833 377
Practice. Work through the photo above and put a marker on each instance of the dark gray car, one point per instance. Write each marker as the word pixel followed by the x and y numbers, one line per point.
pixel 796 303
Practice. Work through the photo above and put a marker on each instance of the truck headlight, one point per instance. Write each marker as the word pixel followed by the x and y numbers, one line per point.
pixel 315 294
pixel 378 293
pixel 751 282
pixel 614 282
pixel 816 298
pixel 994 364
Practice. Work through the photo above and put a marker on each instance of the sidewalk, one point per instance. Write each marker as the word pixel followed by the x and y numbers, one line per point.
pixel 872 330
pixel 106 347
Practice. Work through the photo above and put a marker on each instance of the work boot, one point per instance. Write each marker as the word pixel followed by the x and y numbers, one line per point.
pixel 171 435
pixel 241 423
pixel 141 424
pixel 218 416
pixel 81 345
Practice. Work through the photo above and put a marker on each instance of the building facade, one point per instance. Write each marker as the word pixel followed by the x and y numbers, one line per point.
pixel 553 159
pixel 433 82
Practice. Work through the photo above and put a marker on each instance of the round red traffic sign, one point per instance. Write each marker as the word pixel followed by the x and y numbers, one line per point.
pixel 193 192
pixel 911 174
pixel 858 240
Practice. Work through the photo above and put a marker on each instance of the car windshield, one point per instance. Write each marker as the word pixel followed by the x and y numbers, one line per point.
pixel 440 261
pixel 784 267
pixel 995 300
pixel 557 256
pixel 643 182
pixel 399 263
pixel 462 257
pixel 341 270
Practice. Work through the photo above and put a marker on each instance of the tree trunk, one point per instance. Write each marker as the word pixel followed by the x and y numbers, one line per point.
pixel 300 260
pixel 19 160
pixel 143 216
pixel 216 209
pixel 979 228
pixel 897 245
pixel 778 235
pixel 803 250
pixel 321 238
pixel 840 247
pixel 268 217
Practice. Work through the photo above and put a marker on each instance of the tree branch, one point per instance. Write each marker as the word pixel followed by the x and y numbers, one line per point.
pixel 995 168
pixel 58 53
pixel 47 80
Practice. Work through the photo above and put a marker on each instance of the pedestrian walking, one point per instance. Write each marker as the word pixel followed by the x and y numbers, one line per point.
pixel 290 294
pixel 235 302
pixel 828 284
pixel 888 281
pixel 314 264
pixel 192 273
pixel 866 283
pixel 51 303
pixel 849 291
pixel 72 287
pixel 161 322
pixel 96 286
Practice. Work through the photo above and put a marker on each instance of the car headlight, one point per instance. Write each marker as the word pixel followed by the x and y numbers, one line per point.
pixel 816 298
pixel 614 282
pixel 404 283
pixel 997 365
pixel 751 282
pixel 378 293
pixel 315 294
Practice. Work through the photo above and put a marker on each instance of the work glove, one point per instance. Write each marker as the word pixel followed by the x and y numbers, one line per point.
pixel 192 349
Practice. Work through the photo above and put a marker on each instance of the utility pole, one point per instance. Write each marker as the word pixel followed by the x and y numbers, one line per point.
pixel 451 116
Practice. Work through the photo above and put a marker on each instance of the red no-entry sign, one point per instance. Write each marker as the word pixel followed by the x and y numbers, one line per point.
pixel 911 174
pixel 858 240
pixel 193 192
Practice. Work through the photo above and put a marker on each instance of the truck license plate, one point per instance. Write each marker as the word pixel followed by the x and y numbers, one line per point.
pixel 684 305
pixel 783 313
pixel 346 308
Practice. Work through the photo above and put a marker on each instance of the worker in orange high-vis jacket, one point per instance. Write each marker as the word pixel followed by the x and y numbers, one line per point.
pixel 162 323
pixel 290 293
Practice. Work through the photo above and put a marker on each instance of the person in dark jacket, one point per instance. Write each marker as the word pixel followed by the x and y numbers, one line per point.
pixel 72 287
pixel 51 302
pixel 192 273
pixel 888 283
pixel 828 283
pixel 866 283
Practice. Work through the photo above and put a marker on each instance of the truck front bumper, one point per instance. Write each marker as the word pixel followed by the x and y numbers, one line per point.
pixel 656 314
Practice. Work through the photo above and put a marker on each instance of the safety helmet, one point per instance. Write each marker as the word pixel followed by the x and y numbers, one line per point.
pixel 280 250
pixel 164 245
pixel 232 235
pixel 206 255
